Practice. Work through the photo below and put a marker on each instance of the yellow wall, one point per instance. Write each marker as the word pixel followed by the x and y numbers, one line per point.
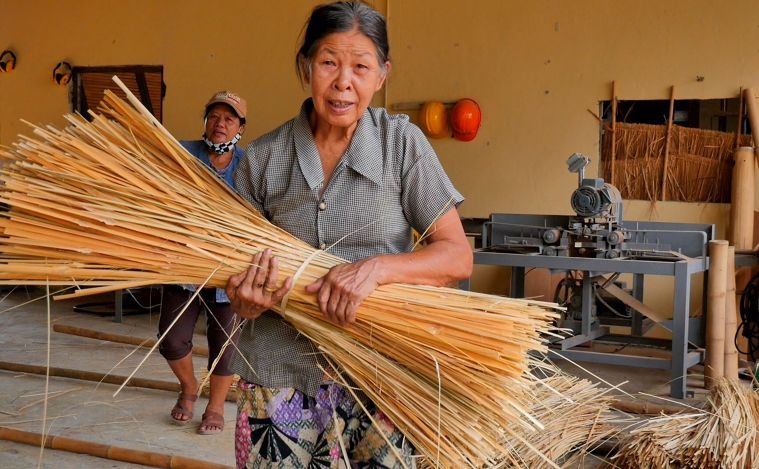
pixel 534 67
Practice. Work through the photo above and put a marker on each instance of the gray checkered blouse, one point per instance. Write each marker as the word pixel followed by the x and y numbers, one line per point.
pixel 388 181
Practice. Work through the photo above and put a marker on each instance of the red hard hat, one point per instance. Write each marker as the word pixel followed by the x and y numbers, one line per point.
pixel 465 119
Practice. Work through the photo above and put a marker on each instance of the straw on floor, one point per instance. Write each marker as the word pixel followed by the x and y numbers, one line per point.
pixel 725 434
pixel 118 203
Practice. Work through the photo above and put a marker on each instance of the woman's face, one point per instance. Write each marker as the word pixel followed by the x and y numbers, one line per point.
pixel 222 123
pixel 345 73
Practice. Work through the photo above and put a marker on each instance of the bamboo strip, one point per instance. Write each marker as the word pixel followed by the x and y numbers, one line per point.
pixel 84 375
pixel 115 453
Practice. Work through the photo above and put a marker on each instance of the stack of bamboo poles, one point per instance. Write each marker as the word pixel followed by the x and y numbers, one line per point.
pixel 721 359
pixel 118 203
pixel 725 434
pixel 699 168
pixel 714 362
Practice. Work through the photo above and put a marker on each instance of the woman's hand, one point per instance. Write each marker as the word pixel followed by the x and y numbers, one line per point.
pixel 344 288
pixel 254 291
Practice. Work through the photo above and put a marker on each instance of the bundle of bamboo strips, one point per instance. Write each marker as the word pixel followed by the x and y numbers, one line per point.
pixel 725 434
pixel 118 203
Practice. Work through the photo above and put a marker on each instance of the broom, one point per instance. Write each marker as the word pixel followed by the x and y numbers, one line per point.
pixel 118 203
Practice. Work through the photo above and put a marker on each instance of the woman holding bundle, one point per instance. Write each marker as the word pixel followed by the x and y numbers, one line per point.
pixel 354 180
pixel 224 125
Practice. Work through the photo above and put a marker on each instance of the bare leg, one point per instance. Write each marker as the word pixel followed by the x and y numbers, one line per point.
pixel 219 388
pixel 184 372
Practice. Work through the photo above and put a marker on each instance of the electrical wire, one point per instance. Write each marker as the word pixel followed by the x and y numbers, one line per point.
pixel 568 284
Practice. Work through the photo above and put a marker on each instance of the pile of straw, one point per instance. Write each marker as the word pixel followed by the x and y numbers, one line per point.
pixel 118 203
pixel 725 434
pixel 577 418
pixel 699 167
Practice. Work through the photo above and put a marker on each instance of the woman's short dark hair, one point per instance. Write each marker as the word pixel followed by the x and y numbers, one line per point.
pixel 340 17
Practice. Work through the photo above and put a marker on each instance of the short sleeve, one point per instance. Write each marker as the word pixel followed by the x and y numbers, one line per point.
pixel 248 177
pixel 428 193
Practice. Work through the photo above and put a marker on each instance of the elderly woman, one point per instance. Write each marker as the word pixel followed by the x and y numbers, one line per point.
pixel 224 126
pixel 345 174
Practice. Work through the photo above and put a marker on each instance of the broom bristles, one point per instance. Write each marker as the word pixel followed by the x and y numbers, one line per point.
pixel 117 202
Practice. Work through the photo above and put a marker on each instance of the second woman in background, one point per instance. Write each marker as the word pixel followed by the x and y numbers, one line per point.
pixel 224 125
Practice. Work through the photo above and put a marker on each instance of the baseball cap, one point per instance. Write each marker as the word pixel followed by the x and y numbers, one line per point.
pixel 234 100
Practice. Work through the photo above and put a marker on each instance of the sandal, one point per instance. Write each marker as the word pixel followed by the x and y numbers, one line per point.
pixel 211 419
pixel 181 409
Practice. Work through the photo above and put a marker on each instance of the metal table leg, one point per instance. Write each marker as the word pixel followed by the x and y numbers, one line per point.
pixel 517 282
pixel 680 330
pixel 587 303
pixel 637 293
pixel 118 306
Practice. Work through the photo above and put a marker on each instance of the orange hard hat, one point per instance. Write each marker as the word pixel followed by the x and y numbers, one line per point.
pixel 433 119
pixel 465 119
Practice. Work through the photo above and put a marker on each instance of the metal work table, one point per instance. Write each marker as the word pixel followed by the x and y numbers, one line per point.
pixel 685 329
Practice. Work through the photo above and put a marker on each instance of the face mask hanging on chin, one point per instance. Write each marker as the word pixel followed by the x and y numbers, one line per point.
pixel 221 148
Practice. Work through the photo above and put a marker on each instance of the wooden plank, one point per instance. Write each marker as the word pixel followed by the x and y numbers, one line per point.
pixel 634 303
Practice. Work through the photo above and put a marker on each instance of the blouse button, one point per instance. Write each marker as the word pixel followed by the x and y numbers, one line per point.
pixel 323 246
pixel 322 205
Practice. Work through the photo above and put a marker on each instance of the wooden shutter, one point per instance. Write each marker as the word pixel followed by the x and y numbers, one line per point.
pixel 145 81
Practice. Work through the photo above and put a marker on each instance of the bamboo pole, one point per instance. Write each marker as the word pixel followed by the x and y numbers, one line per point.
pixel 115 453
pixel 118 338
pixel 752 108
pixel 613 131
pixel 739 127
pixel 731 319
pixel 742 211
pixel 83 375
pixel 667 144
pixel 742 200
pixel 645 408
pixel 714 364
